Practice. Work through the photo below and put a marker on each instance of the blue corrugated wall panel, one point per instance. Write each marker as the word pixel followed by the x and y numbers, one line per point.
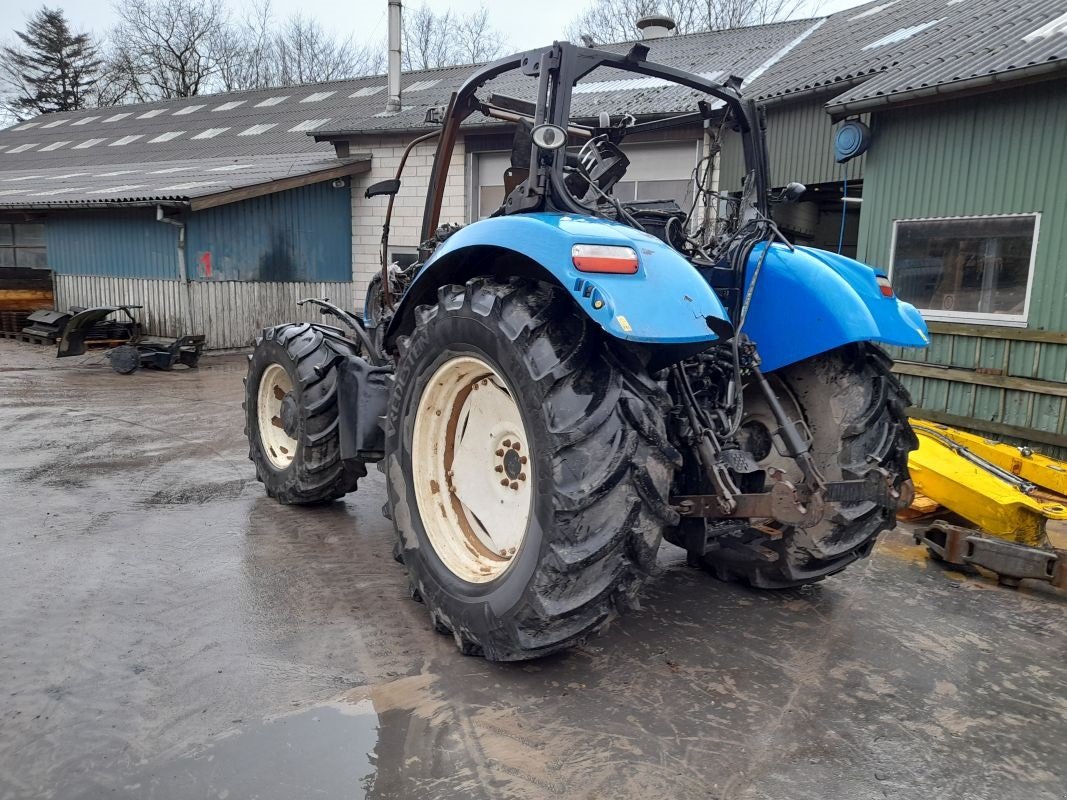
pixel 119 243
pixel 302 234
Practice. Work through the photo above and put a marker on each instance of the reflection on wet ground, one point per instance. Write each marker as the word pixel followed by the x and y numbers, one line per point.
pixel 325 752
pixel 167 631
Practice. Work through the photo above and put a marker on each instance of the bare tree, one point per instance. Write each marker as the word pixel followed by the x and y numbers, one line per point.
pixel 615 20
pixel 249 60
pixel 305 53
pixel 170 48
pixel 441 39
pixel 261 54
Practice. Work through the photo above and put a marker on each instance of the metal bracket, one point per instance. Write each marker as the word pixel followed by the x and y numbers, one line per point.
pixel 1010 561
pixel 782 503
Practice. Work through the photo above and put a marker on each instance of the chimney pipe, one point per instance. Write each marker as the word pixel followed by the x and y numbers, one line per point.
pixel 393 103
pixel 655 26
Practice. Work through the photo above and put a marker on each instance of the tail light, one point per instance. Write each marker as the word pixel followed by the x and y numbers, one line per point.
pixel 884 286
pixel 604 258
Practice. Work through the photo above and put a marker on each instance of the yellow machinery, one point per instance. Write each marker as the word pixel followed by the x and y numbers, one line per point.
pixel 1008 492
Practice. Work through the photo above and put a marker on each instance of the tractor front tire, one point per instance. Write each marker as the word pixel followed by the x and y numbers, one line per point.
pixel 527 469
pixel 855 409
pixel 291 415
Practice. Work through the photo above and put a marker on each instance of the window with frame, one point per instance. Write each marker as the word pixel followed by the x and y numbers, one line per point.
pixel 976 269
pixel 22 245
pixel 402 256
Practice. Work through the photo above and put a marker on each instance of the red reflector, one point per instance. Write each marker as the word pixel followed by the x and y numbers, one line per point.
pixel 604 258
pixel 884 286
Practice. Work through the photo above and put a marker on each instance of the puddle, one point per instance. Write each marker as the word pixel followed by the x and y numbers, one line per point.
pixel 322 752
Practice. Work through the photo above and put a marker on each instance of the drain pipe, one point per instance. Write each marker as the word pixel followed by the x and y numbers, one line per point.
pixel 183 273
pixel 392 105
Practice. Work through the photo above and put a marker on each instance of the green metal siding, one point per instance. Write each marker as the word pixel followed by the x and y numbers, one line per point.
pixel 302 234
pixel 991 154
pixel 800 146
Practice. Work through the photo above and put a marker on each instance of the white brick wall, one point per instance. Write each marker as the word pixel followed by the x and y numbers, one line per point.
pixel 368 215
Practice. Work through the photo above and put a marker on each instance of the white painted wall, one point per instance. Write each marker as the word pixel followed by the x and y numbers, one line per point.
pixel 368 215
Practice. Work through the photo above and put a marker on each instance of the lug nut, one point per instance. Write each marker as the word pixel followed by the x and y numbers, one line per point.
pixel 514 485
pixel 514 447
pixel 522 476
pixel 500 452
pixel 498 468
pixel 504 482
pixel 523 459
pixel 507 443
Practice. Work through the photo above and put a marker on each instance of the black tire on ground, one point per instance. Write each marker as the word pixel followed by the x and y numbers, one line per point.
pixel 316 474
pixel 855 408
pixel 602 469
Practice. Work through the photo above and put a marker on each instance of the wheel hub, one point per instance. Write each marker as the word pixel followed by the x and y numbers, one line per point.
pixel 512 463
pixel 288 414
pixel 471 471
pixel 277 416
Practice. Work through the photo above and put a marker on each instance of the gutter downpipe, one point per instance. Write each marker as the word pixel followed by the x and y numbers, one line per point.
pixel 183 272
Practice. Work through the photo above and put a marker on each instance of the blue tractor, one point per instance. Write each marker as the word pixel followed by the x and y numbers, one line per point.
pixel 552 391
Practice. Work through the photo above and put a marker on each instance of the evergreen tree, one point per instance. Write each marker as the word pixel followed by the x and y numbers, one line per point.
pixel 53 69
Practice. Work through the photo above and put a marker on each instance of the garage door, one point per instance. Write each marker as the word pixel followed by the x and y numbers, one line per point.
pixel 657 171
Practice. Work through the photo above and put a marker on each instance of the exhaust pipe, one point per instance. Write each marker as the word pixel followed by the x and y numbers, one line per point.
pixel 392 105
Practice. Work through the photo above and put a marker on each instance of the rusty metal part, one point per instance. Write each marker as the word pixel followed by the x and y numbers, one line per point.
pixel 1011 562
pixel 387 298
pixel 782 503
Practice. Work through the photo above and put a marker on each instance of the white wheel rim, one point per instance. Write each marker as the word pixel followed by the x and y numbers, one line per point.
pixel 472 469
pixel 278 446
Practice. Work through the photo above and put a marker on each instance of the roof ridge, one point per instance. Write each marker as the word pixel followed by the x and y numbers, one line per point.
pixel 694 34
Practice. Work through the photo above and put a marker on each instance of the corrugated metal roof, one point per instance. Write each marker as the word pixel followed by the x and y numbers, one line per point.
pixel 1028 36
pixel 884 48
pixel 277 120
pixel 887 47
pixel 175 181
pixel 251 123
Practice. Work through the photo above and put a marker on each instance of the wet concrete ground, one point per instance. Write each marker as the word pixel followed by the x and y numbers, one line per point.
pixel 166 631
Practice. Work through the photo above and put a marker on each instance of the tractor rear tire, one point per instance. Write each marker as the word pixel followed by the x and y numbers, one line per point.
pixel 528 469
pixel 291 415
pixel 855 409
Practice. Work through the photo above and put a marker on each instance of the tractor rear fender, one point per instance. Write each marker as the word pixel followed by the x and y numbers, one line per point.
pixel 810 301
pixel 666 302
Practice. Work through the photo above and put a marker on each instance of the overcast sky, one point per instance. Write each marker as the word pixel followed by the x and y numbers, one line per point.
pixel 523 23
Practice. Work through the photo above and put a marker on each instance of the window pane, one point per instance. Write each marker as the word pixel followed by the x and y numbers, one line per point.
pixel 403 257
pixel 31 257
pixel 663 190
pixel 7 256
pixel 31 234
pixel 6 236
pixel 490 199
pixel 964 265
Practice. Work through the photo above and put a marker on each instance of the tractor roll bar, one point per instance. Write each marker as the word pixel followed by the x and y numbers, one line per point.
pixel 558 68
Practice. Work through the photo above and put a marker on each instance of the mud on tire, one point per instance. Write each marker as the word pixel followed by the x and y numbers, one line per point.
pixel 601 469
pixel 855 408
pixel 316 473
